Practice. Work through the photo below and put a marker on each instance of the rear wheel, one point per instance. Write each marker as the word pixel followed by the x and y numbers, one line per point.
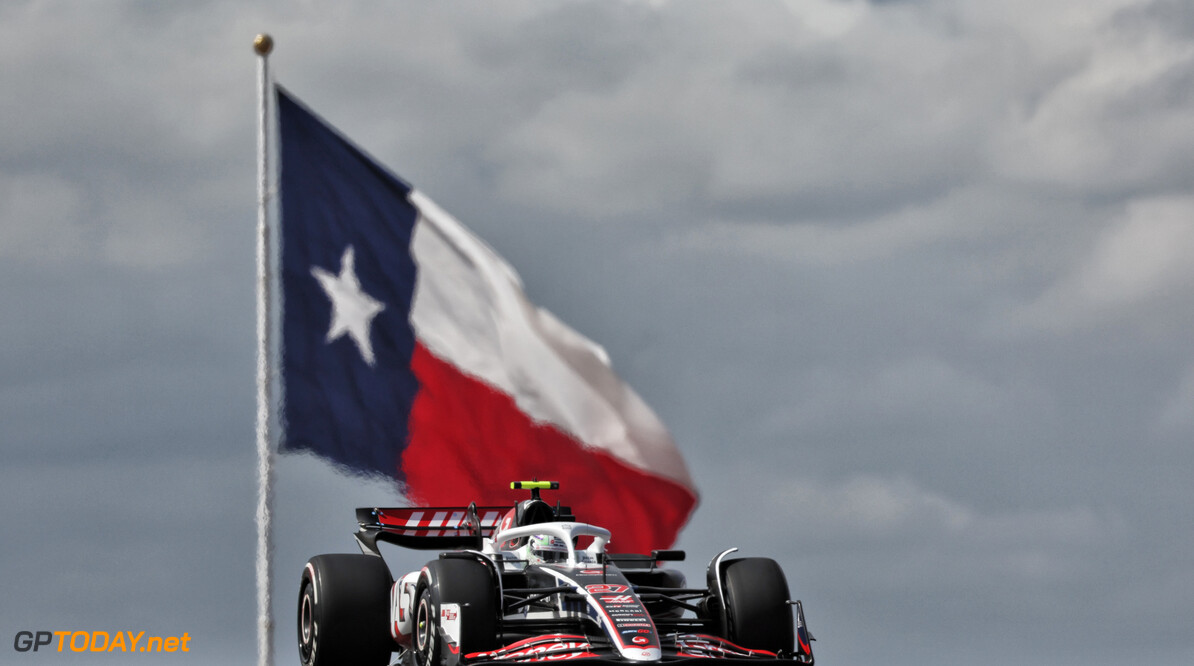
pixel 468 584
pixel 756 600
pixel 343 611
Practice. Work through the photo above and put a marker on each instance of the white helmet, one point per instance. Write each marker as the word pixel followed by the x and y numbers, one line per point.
pixel 542 548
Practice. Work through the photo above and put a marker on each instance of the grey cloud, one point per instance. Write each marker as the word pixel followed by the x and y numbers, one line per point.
pixel 905 282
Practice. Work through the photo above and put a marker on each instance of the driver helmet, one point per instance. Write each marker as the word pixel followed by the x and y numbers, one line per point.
pixel 527 512
pixel 543 548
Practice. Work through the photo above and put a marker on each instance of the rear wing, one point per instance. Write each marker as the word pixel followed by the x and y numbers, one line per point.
pixel 427 528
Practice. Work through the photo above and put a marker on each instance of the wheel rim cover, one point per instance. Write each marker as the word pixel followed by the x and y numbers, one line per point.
pixel 423 630
pixel 308 631
pixel 307 620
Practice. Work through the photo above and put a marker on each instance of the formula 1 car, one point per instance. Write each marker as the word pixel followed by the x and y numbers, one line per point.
pixel 530 583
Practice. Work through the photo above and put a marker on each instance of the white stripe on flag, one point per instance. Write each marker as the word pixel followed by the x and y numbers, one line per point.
pixel 469 309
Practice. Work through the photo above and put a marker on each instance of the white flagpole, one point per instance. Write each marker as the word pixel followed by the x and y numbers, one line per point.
pixel 262 45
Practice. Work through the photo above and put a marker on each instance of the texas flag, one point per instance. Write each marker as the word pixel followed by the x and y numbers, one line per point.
pixel 410 350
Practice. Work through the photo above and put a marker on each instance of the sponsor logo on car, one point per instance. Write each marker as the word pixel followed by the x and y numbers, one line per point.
pixel 555 651
pixel 620 599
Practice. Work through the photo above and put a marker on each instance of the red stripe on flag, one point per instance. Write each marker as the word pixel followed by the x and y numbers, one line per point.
pixel 468 441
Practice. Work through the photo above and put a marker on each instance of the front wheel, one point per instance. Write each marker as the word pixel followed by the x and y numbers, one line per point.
pixel 455 611
pixel 756 602
pixel 343 611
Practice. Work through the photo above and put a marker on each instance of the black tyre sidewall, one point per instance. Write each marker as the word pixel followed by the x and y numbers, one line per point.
pixel 347 597
pixel 756 598
pixel 308 635
pixel 469 584
pixel 426 638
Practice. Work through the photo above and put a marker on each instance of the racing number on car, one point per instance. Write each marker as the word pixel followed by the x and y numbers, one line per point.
pixel 606 588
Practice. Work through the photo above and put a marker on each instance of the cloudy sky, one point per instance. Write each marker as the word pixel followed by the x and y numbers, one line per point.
pixel 911 283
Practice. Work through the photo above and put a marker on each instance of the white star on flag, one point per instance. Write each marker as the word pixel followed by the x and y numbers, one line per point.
pixel 352 309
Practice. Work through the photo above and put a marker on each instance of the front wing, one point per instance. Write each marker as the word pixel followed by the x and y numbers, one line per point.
pixel 565 647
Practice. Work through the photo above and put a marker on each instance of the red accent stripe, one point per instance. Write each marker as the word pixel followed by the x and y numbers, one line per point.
pixel 717 642
pixel 535 640
pixel 468 441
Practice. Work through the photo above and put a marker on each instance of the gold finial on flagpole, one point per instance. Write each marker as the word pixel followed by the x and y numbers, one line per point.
pixel 263 44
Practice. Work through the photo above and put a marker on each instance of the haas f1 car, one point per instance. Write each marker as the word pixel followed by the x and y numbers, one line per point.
pixel 530 583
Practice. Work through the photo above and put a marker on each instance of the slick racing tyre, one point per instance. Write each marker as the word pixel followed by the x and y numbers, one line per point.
pixel 468 584
pixel 756 601
pixel 343 611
